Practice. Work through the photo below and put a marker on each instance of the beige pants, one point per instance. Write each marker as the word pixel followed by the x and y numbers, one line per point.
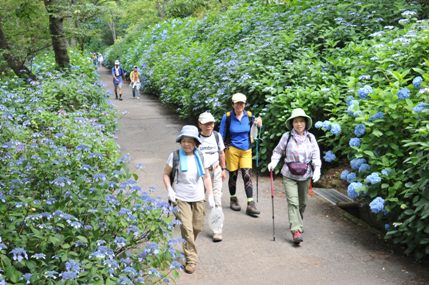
pixel 191 215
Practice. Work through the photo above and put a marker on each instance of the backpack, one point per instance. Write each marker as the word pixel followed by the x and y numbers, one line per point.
pixel 228 125
pixel 176 163
pixel 217 139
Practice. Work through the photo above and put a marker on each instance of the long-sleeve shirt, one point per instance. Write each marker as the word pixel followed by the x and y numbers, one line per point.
pixel 305 152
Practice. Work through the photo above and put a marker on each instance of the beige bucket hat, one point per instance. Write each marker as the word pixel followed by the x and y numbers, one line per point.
pixel 298 112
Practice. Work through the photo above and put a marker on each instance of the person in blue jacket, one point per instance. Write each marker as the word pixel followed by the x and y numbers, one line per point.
pixel 118 79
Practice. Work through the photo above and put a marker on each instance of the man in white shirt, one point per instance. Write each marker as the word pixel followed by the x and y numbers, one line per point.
pixel 212 147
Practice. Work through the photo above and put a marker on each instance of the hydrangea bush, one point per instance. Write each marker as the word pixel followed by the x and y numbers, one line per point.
pixel 70 211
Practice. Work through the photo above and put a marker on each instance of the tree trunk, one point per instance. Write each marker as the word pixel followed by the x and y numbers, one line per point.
pixel 56 27
pixel 18 67
pixel 112 27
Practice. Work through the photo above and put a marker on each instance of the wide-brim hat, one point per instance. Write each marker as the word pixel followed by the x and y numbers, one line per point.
pixel 205 118
pixel 239 97
pixel 116 62
pixel 298 112
pixel 189 131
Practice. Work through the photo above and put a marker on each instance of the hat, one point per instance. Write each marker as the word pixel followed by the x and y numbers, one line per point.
pixel 135 66
pixel 239 97
pixel 189 131
pixel 206 117
pixel 116 62
pixel 298 112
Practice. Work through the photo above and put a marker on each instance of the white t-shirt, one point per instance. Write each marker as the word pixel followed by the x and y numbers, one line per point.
pixel 187 185
pixel 210 148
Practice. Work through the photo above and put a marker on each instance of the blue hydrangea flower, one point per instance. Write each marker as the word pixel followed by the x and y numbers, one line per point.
pixel 356 163
pixel 386 171
pixel 359 130
pixel 343 175
pixel 373 178
pixel 420 107
pixel 318 124
pixel 329 156
pixel 120 241
pixel 349 100
pixel 417 82
pixel 353 189
pixel 19 254
pixel 354 142
pixel 326 125
pixel 404 93
pixel 351 177
pixel 335 129
pixel 377 205
pixel 68 275
pixel 376 116
pixel 364 167
pixel 364 91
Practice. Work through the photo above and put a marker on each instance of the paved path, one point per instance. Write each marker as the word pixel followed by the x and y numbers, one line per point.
pixel 335 249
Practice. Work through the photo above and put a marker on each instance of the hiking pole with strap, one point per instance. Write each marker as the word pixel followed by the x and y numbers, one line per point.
pixel 255 136
pixel 272 201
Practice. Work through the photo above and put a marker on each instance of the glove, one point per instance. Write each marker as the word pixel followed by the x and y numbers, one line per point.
pixel 210 200
pixel 316 174
pixel 272 165
pixel 171 195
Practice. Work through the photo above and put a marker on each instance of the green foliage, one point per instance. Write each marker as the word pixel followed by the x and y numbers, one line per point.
pixel 70 211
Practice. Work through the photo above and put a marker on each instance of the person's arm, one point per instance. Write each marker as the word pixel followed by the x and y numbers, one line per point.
pixel 131 76
pixel 222 127
pixel 222 164
pixel 278 152
pixel 208 186
pixel 166 176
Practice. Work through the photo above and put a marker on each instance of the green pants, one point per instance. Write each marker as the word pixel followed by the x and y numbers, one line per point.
pixel 296 196
pixel 191 215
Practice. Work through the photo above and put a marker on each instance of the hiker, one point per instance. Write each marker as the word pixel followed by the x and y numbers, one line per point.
pixel 100 59
pixel 235 128
pixel 94 59
pixel 185 176
pixel 212 147
pixel 118 75
pixel 301 163
pixel 135 82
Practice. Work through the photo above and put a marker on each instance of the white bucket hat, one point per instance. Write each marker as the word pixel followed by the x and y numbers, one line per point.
pixel 298 112
pixel 239 97
pixel 205 118
pixel 189 131
pixel 117 62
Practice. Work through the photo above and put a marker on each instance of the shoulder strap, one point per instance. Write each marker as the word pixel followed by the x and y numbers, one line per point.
pixel 175 168
pixel 216 134
pixel 288 139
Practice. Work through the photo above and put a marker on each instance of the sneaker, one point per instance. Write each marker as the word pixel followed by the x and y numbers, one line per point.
pixel 234 204
pixel 251 209
pixel 217 237
pixel 190 268
pixel 297 237
pixel 137 97
pixel 120 98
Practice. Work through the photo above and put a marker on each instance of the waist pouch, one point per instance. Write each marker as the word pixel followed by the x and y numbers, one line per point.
pixel 297 168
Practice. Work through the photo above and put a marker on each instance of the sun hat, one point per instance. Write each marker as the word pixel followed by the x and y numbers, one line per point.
pixel 205 118
pixel 189 131
pixel 135 66
pixel 116 62
pixel 298 112
pixel 239 97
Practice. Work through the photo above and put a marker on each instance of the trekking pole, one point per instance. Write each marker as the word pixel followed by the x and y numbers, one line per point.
pixel 257 164
pixel 272 201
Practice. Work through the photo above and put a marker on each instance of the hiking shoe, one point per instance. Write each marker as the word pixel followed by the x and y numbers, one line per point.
pixel 120 98
pixel 251 209
pixel 234 204
pixel 217 237
pixel 297 237
pixel 190 268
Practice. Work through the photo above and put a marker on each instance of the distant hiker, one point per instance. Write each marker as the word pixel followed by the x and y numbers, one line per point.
pixel 301 163
pixel 212 147
pixel 94 59
pixel 235 129
pixel 118 79
pixel 100 59
pixel 135 82
pixel 186 175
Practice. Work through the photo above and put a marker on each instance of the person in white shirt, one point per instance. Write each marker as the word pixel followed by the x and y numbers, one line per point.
pixel 186 175
pixel 212 147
